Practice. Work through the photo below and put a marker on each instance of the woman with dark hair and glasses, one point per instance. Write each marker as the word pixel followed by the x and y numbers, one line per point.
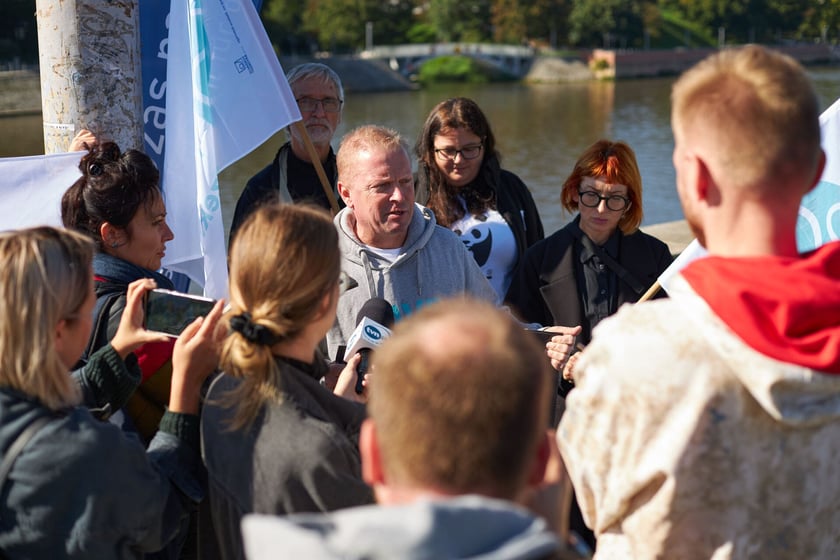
pixel 586 270
pixel 461 181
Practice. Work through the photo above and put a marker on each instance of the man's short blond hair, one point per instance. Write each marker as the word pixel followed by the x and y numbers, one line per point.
pixel 460 400
pixel 364 139
pixel 758 110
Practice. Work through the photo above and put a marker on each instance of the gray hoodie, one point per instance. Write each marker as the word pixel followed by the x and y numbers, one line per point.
pixel 432 264
pixel 462 527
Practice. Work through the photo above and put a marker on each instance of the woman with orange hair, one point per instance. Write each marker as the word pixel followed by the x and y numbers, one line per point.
pixel 585 271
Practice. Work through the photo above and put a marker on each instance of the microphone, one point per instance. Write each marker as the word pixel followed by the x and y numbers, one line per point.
pixel 372 323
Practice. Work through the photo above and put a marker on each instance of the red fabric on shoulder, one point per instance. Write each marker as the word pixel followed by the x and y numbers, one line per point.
pixel 785 308
pixel 151 356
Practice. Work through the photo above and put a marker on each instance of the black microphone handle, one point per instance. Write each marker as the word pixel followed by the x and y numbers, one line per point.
pixel 362 368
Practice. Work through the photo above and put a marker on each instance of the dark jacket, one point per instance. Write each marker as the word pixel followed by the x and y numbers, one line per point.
pixel 299 455
pixel 83 489
pixel 545 288
pixel 272 184
pixel 146 404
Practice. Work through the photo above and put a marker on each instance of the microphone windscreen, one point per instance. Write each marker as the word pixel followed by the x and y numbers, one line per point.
pixel 378 310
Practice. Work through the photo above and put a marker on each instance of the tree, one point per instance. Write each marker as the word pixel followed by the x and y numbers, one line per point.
pixel 608 23
pixel 457 20
pixel 508 21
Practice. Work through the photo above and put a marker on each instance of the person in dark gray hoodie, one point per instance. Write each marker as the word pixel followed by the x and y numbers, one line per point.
pixel 455 440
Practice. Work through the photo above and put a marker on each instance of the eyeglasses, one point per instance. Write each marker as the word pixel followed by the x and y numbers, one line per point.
pixel 467 152
pixel 310 104
pixel 615 202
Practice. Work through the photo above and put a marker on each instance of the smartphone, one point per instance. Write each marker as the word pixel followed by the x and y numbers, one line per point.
pixel 169 312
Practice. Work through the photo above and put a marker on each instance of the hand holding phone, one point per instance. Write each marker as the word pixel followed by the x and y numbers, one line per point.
pixel 170 312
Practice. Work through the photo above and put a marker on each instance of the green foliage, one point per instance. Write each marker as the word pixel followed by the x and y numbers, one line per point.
pixel 421 33
pixel 607 23
pixel 452 69
pixel 457 20
pixel 508 21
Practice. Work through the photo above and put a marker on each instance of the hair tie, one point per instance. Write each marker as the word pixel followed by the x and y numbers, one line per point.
pixel 257 334
pixel 95 169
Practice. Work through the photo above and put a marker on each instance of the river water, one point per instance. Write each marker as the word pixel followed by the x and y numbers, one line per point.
pixel 540 131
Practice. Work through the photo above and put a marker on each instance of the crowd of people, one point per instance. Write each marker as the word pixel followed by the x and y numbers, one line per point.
pixel 704 424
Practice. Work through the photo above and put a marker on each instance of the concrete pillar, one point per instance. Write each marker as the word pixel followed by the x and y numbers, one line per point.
pixel 90 71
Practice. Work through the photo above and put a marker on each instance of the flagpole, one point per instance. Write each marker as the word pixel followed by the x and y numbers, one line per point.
pixel 316 161
pixel 651 292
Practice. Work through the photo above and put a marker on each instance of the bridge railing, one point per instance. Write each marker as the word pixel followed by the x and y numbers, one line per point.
pixel 423 50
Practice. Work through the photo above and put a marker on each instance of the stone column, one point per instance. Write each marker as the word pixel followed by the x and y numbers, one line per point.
pixel 90 71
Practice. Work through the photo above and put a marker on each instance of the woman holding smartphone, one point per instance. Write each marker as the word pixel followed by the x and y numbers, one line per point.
pixel 117 203
pixel 275 439
pixel 72 486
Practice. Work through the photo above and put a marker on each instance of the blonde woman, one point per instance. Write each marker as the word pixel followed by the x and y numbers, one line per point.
pixel 80 488
pixel 275 440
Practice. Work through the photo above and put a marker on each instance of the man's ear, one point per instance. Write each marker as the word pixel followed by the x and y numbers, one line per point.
pixel 371 459
pixel 344 193
pixel 820 168
pixel 541 459
pixel 111 235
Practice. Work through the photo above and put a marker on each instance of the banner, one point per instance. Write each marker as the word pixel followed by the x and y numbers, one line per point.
pixel 226 95
pixel 819 215
pixel 32 188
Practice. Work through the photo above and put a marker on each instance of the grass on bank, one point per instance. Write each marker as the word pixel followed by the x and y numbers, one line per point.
pixel 458 68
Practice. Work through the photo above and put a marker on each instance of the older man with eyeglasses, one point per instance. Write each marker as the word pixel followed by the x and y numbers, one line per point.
pixel 292 177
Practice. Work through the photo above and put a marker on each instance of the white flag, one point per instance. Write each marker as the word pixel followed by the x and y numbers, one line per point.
pixel 31 188
pixel 691 253
pixel 226 94
pixel 819 215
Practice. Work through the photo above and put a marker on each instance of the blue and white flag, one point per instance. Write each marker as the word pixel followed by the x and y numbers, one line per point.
pixel 819 215
pixel 226 94
pixel 32 187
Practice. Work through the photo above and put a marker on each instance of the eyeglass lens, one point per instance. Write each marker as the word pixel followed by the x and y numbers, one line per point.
pixel 592 199
pixel 330 104
pixel 467 152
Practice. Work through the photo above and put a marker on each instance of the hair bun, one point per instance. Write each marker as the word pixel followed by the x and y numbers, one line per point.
pixel 257 334
pixel 95 169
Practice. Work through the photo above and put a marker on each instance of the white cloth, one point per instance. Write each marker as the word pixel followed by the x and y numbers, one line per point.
pixel 682 442
pixel 490 240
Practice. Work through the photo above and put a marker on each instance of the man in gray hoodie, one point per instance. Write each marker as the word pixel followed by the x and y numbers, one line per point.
pixel 455 443
pixel 391 247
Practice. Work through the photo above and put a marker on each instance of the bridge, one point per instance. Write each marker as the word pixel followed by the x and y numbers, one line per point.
pixel 407 59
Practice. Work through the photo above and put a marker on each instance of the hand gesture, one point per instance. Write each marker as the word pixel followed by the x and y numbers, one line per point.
pixel 346 384
pixel 131 334
pixel 195 357
pixel 560 347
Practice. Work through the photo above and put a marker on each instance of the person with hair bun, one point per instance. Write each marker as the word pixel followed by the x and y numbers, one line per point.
pixel 276 440
pixel 72 486
pixel 118 204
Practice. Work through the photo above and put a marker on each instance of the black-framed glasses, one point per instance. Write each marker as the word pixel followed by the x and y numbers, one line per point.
pixel 310 104
pixel 467 152
pixel 615 202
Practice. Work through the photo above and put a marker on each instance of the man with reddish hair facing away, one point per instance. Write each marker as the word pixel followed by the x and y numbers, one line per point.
pixel 707 425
